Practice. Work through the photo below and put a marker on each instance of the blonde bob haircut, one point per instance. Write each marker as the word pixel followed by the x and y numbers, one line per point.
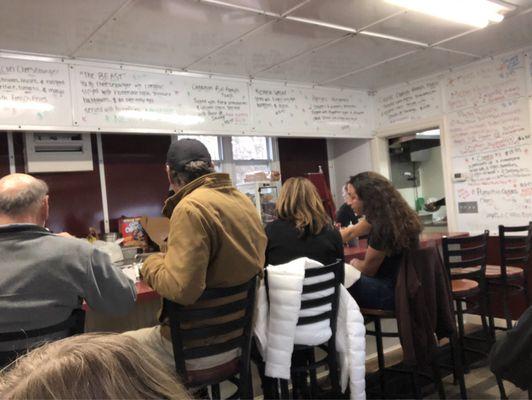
pixel 300 203
pixel 90 366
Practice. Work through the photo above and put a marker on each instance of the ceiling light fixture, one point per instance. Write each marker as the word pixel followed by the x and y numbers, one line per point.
pixel 477 13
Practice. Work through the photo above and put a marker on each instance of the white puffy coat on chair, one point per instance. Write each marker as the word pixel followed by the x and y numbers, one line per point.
pixel 276 327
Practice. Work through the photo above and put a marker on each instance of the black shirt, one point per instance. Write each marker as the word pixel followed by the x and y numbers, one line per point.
pixel 285 244
pixel 346 215
pixel 390 265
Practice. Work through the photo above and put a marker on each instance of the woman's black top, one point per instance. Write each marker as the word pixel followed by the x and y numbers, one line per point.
pixel 390 265
pixel 345 215
pixel 285 243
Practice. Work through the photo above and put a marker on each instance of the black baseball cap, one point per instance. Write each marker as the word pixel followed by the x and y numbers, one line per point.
pixel 184 151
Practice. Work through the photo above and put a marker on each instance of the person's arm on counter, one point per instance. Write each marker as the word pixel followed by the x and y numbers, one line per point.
pixel 180 274
pixel 106 288
pixel 361 228
pixel 371 262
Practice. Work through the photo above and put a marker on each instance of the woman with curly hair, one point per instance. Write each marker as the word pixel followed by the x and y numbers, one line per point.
pixel 393 227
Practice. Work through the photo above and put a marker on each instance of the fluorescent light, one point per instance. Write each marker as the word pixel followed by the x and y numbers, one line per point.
pixel 477 13
pixel 172 118
pixel 21 105
pixel 432 132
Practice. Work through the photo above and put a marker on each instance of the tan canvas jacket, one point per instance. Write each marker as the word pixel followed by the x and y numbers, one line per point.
pixel 216 239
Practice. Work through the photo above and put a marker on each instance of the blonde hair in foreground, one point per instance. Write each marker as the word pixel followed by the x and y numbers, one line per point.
pixel 300 203
pixel 90 366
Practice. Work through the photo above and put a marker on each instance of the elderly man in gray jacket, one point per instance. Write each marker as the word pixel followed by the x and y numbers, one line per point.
pixel 44 277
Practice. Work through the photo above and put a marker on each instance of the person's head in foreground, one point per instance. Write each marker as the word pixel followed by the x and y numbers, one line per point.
pixel 393 221
pixel 90 366
pixel 300 203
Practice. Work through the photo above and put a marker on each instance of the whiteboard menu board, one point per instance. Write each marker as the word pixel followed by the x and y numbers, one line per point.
pixel 322 112
pixel 409 102
pixel 341 112
pixel 217 104
pixel 280 108
pixel 484 83
pixel 34 93
pixel 491 147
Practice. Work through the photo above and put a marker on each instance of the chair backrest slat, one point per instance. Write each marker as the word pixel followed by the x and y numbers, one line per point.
pixel 315 318
pixel 316 287
pixel 514 250
pixel 193 314
pixel 209 331
pixel 213 349
pixel 317 302
pixel 472 252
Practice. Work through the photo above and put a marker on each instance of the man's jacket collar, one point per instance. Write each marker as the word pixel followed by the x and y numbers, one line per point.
pixel 214 181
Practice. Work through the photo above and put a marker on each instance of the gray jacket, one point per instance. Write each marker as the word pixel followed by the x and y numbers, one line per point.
pixel 43 277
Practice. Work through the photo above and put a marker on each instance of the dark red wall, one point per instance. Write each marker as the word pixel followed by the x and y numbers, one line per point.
pixel 135 180
pixel 4 155
pixel 134 173
pixel 299 156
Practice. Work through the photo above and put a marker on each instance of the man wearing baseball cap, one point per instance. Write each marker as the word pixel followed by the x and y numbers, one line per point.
pixel 216 239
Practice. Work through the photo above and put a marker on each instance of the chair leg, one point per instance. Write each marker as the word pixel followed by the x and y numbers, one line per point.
pixel 215 390
pixel 460 318
pixel 458 369
pixel 491 320
pixel 380 354
pixel 285 393
pixel 436 375
pixel 333 374
pixel 506 308
pixel 500 384
pixel 313 376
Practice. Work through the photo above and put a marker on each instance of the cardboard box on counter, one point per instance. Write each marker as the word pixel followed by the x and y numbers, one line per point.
pixel 156 229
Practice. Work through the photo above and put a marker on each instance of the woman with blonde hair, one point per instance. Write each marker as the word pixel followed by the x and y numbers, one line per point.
pixel 90 366
pixel 303 228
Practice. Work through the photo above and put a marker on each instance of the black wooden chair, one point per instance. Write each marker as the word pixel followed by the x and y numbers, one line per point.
pixel 375 317
pixel 465 260
pixel 73 325
pixel 303 357
pixel 220 321
pixel 510 275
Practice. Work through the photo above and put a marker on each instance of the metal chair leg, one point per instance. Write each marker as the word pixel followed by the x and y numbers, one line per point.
pixel 500 384
pixel 380 354
pixel 285 393
pixel 458 369
pixel 460 318
pixel 506 308
pixel 215 390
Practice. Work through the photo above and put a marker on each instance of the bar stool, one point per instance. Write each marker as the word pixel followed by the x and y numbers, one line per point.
pixel 465 261
pixel 510 275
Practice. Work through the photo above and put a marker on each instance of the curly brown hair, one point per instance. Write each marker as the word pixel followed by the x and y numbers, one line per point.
pixel 393 221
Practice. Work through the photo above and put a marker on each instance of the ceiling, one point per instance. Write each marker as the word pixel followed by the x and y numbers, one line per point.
pixel 361 44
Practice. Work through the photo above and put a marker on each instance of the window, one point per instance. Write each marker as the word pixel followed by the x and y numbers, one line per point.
pixel 250 154
pixel 211 142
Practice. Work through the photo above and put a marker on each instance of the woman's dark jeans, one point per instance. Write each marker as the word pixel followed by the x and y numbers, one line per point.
pixel 373 293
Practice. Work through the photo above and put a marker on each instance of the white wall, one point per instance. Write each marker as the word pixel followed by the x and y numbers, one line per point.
pixel 346 157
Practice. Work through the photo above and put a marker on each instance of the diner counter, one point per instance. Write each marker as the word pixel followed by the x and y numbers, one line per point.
pixel 146 293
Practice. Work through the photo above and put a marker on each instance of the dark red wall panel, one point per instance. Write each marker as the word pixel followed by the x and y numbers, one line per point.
pixel 4 155
pixel 134 173
pixel 299 156
pixel 75 198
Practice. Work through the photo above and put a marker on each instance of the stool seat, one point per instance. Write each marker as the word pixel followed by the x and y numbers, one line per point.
pixel 375 312
pixel 495 271
pixel 464 287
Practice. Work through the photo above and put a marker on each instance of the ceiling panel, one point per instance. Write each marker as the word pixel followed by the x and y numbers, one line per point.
pixel 169 33
pixel 352 13
pixel 265 47
pixel 419 27
pixel 51 26
pixel 413 66
pixel 512 33
pixel 275 6
pixel 337 59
